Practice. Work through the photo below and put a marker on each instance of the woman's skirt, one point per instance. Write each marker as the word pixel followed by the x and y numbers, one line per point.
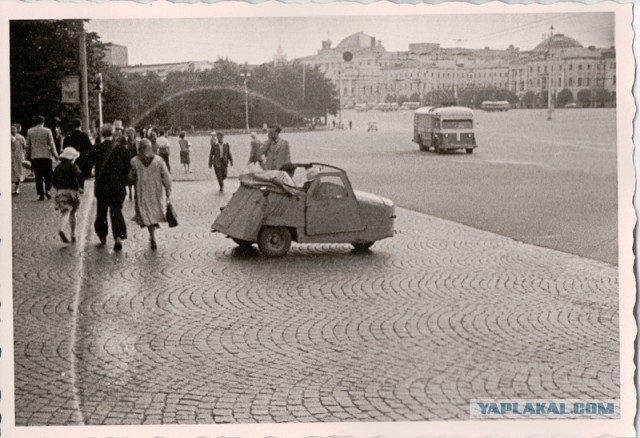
pixel 185 157
pixel 67 200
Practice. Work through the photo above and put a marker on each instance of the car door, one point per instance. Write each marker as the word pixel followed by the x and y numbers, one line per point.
pixel 331 206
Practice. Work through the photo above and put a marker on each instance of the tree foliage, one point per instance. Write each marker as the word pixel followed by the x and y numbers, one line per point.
pixel 288 93
pixel 41 53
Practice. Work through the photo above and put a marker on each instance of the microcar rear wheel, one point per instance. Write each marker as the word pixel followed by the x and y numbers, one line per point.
pixel 274 241
pixel 362 246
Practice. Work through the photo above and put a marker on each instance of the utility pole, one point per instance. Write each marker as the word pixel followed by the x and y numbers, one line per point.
pixel 246 75
pixel 549 78
pixel 84 81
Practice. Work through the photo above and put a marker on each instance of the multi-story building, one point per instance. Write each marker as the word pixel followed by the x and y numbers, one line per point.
pixel 162 70
pixel 374 74
pixel 116 55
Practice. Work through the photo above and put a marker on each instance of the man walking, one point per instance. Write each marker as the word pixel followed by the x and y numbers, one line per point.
pixel 275 150
pixel 81 142
pixel 112 163
pixel 220 158
pixel 40 151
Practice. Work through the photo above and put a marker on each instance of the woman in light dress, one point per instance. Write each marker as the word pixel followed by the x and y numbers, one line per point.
pixel 150 176
pixel 18 144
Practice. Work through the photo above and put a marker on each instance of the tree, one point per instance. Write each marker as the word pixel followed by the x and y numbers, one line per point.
pixel 594 97
pixel 564 97
pixel 41 53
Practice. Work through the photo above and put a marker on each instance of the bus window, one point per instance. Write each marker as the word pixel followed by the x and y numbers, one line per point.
pixel 457 124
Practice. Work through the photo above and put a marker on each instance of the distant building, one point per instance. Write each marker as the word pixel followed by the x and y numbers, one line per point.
pixel 374 73
pixel 116 55
pixel 162 70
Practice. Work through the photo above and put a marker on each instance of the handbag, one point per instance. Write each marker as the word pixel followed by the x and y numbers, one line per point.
pixel 172 216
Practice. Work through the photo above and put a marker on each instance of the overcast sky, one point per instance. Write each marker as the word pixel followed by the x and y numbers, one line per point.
pixel 255 40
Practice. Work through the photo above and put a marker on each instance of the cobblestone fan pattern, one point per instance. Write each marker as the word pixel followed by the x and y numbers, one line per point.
pixel 198 332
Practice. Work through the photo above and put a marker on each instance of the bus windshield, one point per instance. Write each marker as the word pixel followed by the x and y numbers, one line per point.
pixel 457 124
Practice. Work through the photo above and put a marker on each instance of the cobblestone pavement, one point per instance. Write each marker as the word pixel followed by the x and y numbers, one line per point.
pixel 197 332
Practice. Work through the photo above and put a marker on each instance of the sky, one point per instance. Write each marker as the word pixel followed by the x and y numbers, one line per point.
pixel 255 40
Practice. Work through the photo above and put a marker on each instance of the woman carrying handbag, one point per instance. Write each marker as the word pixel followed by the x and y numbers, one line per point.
pixel 150 176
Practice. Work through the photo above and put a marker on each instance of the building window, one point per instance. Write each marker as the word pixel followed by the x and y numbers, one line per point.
pixel 588 82
pixel 560 68
pixel 613 65
pixel 588 66
pixel 579 66
pixel 571 82
pixel 570 66
pixel 579 82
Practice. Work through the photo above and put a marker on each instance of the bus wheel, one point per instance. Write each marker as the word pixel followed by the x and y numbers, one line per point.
pixel 469 150
pixel 436 145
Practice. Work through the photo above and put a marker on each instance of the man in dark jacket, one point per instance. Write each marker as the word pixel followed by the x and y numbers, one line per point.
pixel 220 158
pixel 112 165
pixel 81 142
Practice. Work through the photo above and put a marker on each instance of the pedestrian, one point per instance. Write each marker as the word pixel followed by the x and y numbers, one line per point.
pixel 69 183
pixel 163 148
pixel 18 145
pixel 220 158
pixel 132 147
pixel 255 155
pixel 81 142
pixel 41 151
pixel 112 163
pixel 152 135
pixel 150 175
pixel 350 124
pixel 119 129
pixel 56 130
pixel 275 149
pixel 185 152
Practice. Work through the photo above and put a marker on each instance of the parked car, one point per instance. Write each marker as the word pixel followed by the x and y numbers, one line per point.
pixel 372 126
pixel 272 213
pixel 571 105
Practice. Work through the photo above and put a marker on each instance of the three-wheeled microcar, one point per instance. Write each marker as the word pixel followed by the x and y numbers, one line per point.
pixel 271 210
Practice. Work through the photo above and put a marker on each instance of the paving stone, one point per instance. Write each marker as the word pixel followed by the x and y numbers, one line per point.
pixel 197 332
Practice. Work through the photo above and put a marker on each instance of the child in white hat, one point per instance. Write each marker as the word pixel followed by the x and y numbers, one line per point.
pixel 68 182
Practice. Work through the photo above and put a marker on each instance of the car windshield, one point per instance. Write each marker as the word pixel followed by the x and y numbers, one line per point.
pixel 457 124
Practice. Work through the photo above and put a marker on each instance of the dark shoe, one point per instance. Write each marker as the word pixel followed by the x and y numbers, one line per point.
pixel 73 239
pixel 103 239
pixel 63 237
pixel 48 195
pixel 117 246
pixel 41 198
pixel 154 245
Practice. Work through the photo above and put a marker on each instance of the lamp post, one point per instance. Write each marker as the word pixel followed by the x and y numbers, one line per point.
pixel 245 75
pixel 550 103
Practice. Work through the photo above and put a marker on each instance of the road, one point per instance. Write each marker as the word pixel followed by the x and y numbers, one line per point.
pixel 548 183
pixel 198 332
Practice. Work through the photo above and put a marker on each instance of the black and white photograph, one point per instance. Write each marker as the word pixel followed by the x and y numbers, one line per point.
pixel 317 220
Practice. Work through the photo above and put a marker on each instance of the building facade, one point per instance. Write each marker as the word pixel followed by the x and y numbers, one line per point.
pixel 375 75
pixel 116 55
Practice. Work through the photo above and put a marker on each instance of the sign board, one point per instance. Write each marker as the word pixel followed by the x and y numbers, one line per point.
pixel 70 86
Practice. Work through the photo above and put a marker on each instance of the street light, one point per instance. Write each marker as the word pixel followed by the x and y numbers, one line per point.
pixel 549 78
pixel 245 75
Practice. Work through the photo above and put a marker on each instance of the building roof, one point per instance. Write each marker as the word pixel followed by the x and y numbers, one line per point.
pixel 356 41
pixel 558 41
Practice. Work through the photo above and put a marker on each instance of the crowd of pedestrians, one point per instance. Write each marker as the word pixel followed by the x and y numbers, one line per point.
pixel 122 165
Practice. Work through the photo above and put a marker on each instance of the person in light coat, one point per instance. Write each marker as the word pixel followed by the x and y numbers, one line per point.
pixel 150 176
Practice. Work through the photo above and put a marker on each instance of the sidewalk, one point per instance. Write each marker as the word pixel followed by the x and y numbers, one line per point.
pixel 197 332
